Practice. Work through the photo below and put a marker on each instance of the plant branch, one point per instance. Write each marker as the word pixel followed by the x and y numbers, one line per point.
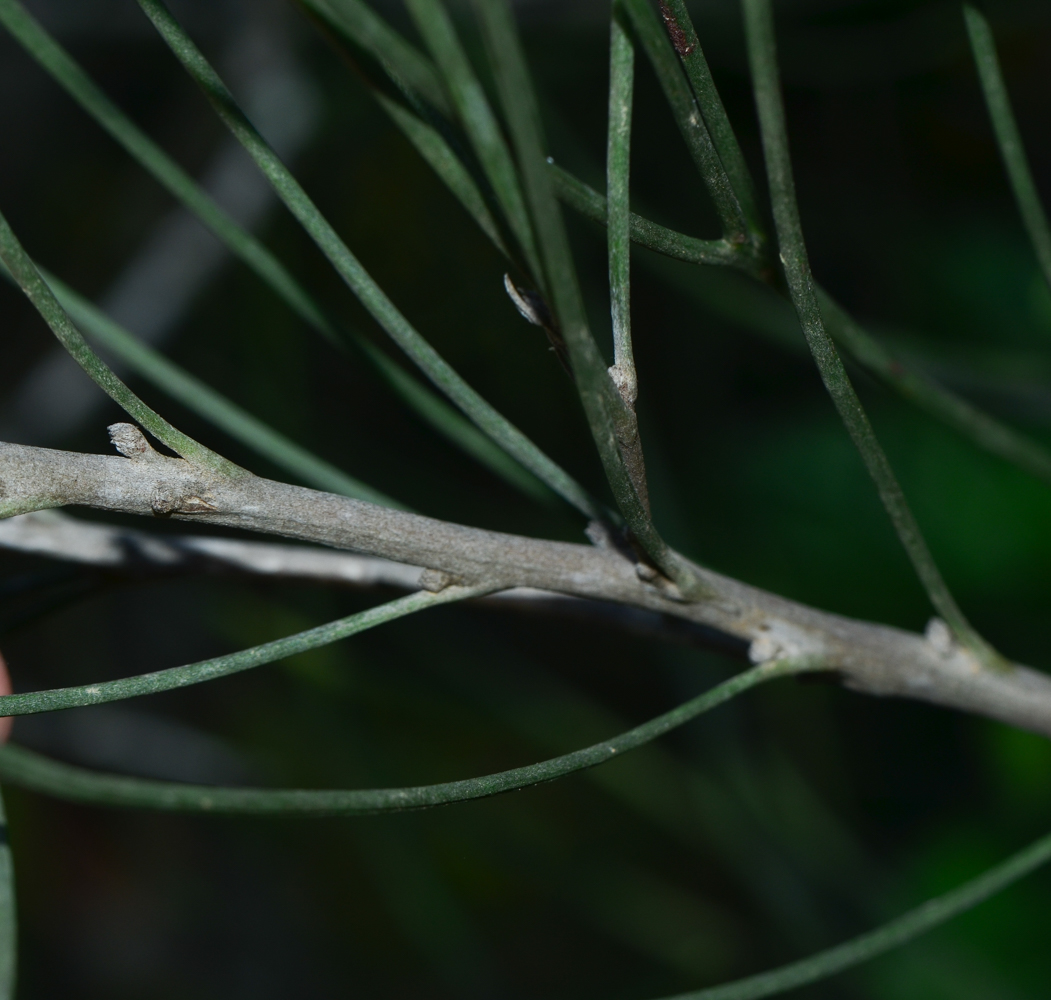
pixel 874 659
pixel 614 427
pixel 126 551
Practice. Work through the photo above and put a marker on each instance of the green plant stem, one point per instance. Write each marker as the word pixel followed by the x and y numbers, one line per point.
pixel 26 276
pixel 612 422
pixel 473 110
pixel 759 29
pixel 34 702
pixel 689 119
pixel 891 935
pixel 428 406
pixel 8 913
pixel 1034 218
pixel 618 212
pixel 28 770
pixel 973 423
pixel 497 427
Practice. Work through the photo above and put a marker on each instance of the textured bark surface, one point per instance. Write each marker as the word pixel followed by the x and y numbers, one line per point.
pixel 875 659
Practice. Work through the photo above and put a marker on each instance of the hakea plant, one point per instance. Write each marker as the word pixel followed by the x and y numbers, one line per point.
pixel 495 162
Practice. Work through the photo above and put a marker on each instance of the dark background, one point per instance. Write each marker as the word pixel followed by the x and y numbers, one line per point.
pixel 796 816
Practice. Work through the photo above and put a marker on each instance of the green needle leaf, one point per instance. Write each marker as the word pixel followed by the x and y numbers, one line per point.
pixel 53 58
pixel 222 666
pixel 1007 136
pixel 363 26
pixel 425 403
pixel 446 164
pixel 26 276
pixel 973 423
pixel 759 28
pixel 588 202
pixel 891 935
pixel 689 119
pixel 29 770
pixel 203 400
pixel 612 422
pixel 478 120
pixel 688 47
pixel 618 231
pixel 487 419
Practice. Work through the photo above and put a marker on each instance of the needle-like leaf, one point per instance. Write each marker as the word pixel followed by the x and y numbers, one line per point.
pixel 29 770
pixel 762 53
pixel 8 914
pixel 891 935
pixel 26 276
pixel 222 666
pixel 430 144
pixel 1007 136
pixel 688 47
pixel 618 211
pixel 478 121
pixel 428 406
pixel 689 119
pixel 612 421
pixel 756 314
pixel 435 367
pixel 363 26
pixel 203 400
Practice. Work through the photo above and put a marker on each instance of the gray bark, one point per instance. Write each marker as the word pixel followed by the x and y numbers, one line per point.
pixel 871 658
